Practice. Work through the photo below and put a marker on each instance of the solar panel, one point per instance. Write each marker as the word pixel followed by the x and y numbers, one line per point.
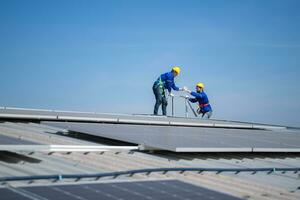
pixel 35 114
pixel 191 139
pixel 6 140
pixel 133 190
pixel 169 133
pixel 8 194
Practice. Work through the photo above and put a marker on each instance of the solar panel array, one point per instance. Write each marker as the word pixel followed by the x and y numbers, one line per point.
pixel 44 115
pixel 192 139
pixel 162 189
pixel 169 133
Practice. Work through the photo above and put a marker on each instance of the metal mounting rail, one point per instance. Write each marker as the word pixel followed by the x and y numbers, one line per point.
pixel 65 148
pixel 147 171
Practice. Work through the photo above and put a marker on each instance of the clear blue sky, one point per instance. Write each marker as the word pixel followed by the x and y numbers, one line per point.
pixel 104 56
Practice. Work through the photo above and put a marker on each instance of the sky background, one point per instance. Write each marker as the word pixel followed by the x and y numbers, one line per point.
pixel 104 56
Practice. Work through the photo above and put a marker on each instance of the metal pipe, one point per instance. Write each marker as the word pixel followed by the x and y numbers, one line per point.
pixel 172 106
pixel 187 103
pixel 186 108
pixel 191 107
pixel 139 171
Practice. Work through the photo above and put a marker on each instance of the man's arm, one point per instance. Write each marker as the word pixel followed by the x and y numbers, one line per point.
pixel 197 95
pixel 193 100
pixel 171 82
pixel 174 87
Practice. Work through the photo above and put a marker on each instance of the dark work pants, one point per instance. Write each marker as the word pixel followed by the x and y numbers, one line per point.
pixel 160 98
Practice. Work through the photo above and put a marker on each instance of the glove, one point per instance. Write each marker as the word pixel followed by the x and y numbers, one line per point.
pixel 186 97
pixel 171 95
pixel 184 88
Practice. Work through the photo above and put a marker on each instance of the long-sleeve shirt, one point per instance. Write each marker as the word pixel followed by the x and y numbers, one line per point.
pixel 203 101
pixel 167 81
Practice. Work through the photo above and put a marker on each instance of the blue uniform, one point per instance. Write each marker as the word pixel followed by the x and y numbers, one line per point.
pixel 167 81
pixel 202 99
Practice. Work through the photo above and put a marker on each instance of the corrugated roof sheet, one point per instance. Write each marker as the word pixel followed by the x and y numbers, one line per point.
pixel 261 185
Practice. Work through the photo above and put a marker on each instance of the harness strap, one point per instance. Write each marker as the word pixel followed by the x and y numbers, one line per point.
pixel 203 105
pixel 159 83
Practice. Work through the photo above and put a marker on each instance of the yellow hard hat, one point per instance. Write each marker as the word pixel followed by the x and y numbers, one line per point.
pixel 176 69
pixel 201 85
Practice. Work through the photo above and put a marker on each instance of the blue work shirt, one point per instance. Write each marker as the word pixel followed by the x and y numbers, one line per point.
pixel 167 79
pixel 202 99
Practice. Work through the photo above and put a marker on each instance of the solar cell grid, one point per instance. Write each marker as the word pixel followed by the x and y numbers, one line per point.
pixel 6 140
pixel 160 190
pixel 193 139
pixel 7 194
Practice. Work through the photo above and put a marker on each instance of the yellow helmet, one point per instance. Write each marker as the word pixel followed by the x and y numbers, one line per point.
pixel 201 85
pixel 176 69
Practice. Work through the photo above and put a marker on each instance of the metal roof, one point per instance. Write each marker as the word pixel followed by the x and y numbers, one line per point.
pixel 248 185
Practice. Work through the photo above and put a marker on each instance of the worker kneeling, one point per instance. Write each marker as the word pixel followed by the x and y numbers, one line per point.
pixel 200 97
pixel 165 82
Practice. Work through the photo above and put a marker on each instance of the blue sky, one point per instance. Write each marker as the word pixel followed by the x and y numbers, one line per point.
pixel 104 56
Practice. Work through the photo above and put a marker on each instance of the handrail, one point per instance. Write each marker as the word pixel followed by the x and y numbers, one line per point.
pixel 148 171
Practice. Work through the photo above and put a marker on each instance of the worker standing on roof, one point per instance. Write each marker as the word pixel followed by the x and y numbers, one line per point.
pixel 200 97
pixel 165 82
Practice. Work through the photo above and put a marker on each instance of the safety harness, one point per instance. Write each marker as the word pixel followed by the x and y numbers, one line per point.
pixel 160 83
pixel 199 110
pixel 203 105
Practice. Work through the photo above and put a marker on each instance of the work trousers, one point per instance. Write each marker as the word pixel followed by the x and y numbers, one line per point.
pixel 207 115
pixel 160 98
